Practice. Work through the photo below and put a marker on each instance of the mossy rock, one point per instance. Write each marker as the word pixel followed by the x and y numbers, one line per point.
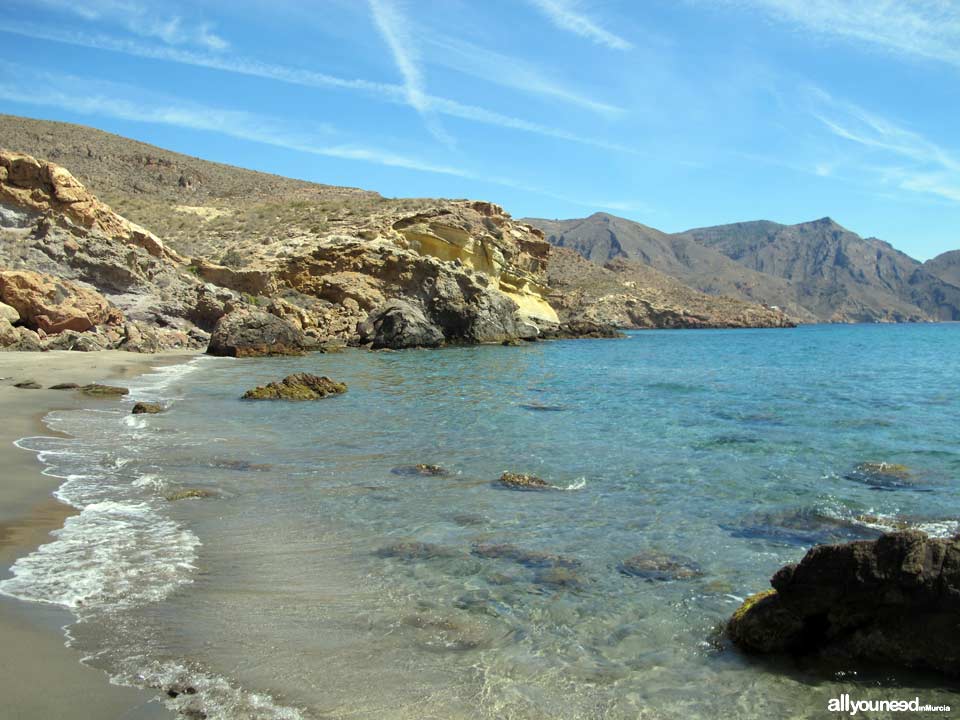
pixel 415 550
pixel 520 481
pixel 299 386
pixel 657 566
pixel 762 625
pixel 147 408
pixel 528 558
pixel 98 390
pixel 188 494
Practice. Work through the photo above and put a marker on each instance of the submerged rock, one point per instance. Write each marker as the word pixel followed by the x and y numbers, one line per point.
pixel 188 494
pixel 414 550
pixel 654 565
pixel 147 408
pixel 527 558
pixel 299 386
pixel 519 481
pixel 537 407
pixel 65 386
pixel 894 600
pixel 28 385
pixel 802 526
pixel 563 578
pixel 97 390
pixel 421 469
pixel 884 476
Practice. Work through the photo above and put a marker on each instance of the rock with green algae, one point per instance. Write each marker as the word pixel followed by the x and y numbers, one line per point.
pixel 299 386
pixel 890 601
pixel 884 476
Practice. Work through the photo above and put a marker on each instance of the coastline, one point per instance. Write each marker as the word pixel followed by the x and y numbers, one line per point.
pixel 39 676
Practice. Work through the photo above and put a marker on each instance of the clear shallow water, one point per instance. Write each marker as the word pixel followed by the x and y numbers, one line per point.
pixel 728 449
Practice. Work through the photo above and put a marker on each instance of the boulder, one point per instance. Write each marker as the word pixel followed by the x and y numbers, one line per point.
pixel 188 494
pixel 9 313
pixel 98 390
pixel 399 324
pixel 890 601
pixel 299 386
pixel 147 408
pixel 252 333
pixel 519 481
pixel 8 333
pixel 52 305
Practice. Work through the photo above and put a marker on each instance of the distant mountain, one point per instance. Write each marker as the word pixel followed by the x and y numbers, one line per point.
pixel 816 271
pixel 603 238
pixel 839 275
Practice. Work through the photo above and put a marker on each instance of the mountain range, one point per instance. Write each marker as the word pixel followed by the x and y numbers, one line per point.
pixel 816 271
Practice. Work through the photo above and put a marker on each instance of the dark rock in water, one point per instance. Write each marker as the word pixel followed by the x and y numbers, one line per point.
pixel 97 390
pixel 448 634
pixel 413 550
pixel 241 465
pixel 527 558
pixel 537 407
pixel 468 519
pixel 399 324
pixel 28 385
pixel 299 386
pixel 657 566
pixel 188 494
pixel 518 481
pixel 800 527
pixel 253 333
pixel 580 328
pixel 894 600
pixel 420 469
pixel 65 386
pixel 558 578
pixel 147 408
pixel 885 476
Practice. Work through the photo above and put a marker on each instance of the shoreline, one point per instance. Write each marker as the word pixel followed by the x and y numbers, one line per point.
pixel 39 675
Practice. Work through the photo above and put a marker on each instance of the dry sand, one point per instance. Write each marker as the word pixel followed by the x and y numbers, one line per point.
pixel 40 678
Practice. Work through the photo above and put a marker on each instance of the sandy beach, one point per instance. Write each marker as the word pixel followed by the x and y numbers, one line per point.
pixel 39 676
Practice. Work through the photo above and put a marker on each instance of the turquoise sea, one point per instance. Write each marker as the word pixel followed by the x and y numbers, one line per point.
pixel 322 580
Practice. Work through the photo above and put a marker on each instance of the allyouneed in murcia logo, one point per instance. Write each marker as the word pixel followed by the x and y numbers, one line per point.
pixel 845 704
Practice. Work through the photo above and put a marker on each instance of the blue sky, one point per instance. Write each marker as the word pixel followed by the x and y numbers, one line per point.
pixel 674 113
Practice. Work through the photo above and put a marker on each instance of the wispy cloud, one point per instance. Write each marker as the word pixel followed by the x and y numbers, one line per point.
pixel 927 29
pixel 507 71
pixel 115 100
pixel 897 155
pixel 382 92
pixel 565 14
pixel 142 20
pixel 395 31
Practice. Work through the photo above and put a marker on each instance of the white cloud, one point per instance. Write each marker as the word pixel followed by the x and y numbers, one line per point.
pixel 906 158
pixel 565 15
pixel 395 30
pixel 142 20
pixel 507 71
pixel 382 92
pixel 927 29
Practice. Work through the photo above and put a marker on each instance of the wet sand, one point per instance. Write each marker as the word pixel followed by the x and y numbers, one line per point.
pixel 39 676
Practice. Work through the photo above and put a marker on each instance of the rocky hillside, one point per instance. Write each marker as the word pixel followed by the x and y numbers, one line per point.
pixel 329 264
pixel 603 238
pixel 628 293
pixel 816 271
pixel 840 276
